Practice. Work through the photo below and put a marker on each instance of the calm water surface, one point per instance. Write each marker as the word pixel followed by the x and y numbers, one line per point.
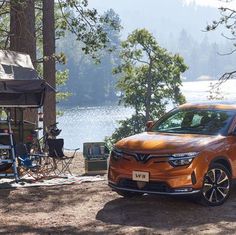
pixel 92 124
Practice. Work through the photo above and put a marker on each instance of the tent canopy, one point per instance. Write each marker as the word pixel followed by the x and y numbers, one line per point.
pixel 20 85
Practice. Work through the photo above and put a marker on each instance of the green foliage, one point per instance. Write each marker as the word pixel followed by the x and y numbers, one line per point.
pixel 94 33
pixel 130 126
pixel 86 24
pixel 227 19
pixel 150 77
pixel 92 83
pixel 61 78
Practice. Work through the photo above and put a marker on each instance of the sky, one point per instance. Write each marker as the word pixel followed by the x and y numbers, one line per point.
pixel 164 17
pixel 211 3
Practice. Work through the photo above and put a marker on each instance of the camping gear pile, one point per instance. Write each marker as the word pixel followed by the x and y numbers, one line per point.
pixel 21 88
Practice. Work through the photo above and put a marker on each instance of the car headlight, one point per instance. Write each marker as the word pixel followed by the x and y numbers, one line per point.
pixel 182 159
pixel 116 154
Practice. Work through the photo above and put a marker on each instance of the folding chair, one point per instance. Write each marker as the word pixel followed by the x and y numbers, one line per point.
pixel 30 164
pixel 61 162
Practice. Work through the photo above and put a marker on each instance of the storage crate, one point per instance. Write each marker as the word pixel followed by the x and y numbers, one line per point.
pixel 95 155
pixel 94 167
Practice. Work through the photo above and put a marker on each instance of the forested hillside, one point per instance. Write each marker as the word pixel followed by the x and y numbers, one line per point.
pixel 92 83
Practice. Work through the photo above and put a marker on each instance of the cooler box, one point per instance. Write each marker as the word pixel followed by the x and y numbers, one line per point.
pixel 95 157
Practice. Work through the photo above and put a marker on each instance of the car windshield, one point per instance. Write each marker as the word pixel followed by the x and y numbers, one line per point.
pixel 206 122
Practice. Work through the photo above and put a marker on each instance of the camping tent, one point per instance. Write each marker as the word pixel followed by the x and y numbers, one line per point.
pixel 20 85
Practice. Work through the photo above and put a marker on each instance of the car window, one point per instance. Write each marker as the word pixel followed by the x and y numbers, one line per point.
pixel 173 122
pixel 210 122
pixel 196 120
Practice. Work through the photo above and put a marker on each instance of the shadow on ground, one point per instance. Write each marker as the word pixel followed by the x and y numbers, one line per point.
pixel 93 209
pixel 40 199
pixel 62 230
pixel 167 213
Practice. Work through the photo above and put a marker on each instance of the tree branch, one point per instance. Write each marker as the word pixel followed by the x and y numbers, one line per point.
pixel 227 53
pixel 4 13
pixel 229 38
pixel 2 4
pixel 225 77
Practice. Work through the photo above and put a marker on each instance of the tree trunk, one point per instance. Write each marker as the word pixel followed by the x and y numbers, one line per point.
pixel 22 37
pixel 22 27
pixel 149 92
pixel 49 68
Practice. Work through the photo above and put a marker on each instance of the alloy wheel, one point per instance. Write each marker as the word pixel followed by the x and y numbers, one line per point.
pixel 216 186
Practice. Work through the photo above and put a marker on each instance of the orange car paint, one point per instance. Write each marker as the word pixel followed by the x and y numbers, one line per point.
pixel 162 145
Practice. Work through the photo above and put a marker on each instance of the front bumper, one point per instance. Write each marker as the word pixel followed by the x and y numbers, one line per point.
pixel 186 179
pixel 152 188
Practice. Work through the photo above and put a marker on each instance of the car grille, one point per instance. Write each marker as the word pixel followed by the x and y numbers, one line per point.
pixel 140 157
pixel 149 186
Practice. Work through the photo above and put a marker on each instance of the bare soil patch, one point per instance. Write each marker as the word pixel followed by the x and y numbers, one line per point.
pixel 92 208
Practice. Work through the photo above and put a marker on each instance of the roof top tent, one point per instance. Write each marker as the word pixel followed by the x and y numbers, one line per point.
pixel 20 85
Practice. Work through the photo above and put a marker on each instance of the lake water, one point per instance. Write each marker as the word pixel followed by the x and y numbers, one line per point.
pixel 92 124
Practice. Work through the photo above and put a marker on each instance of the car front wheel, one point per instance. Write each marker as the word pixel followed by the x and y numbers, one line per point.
pixel 216 186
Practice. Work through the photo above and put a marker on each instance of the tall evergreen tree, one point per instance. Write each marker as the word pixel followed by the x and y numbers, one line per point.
pixel 150 77
pixel 73 16
pixel 49 66
pixel 22 37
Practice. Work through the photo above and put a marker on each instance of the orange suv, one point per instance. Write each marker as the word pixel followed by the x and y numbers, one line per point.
pixel 190 150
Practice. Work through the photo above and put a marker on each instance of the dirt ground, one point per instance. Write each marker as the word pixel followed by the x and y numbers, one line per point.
pixel 92 208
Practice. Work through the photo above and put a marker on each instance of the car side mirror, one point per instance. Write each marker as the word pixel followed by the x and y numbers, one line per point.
pixel 149 125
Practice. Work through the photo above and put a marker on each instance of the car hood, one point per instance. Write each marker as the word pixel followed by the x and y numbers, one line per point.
pixel 153 142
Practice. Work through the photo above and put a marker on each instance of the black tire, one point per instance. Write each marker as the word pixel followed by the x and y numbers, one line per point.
pixel 128 194
pixel 216 186
pixel 5 155
pixel 5 167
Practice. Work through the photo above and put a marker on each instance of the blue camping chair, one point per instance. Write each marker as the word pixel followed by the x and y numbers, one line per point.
pixel 30 164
